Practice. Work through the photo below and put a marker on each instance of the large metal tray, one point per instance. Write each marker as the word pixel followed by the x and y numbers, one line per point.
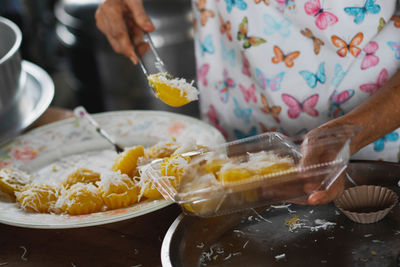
pixel 261 238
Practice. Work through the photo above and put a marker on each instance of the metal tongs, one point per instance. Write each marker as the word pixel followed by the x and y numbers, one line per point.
pixel 158 63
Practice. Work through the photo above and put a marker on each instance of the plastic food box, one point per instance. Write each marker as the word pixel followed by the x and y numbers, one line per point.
pixel 254 171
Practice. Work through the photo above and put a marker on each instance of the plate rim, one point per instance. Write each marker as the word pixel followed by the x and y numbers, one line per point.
pixel 114 112
pixel 162 203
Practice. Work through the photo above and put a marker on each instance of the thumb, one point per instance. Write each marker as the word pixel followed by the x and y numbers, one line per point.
pixel 140 15
pixel 324 197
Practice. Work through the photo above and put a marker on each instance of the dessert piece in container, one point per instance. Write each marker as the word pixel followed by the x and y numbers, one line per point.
pixel 254 171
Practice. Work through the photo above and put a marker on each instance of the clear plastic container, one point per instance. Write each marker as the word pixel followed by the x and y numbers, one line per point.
pixel 254 171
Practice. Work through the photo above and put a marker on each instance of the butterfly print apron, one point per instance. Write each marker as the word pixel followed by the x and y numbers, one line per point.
pixel 292 65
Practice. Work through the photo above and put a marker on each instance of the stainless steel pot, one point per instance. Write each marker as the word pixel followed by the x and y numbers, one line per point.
pixel 10 63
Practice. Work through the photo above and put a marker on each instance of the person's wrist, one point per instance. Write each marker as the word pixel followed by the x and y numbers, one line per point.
pixel 348 128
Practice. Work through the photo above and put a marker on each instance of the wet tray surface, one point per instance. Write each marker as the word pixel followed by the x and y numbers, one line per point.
pixel 322 236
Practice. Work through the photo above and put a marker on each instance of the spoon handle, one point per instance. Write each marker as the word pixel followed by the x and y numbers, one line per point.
pixel 81 113
pixel 159 64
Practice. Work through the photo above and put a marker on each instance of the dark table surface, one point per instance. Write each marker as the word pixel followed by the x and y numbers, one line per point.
pixel 134 242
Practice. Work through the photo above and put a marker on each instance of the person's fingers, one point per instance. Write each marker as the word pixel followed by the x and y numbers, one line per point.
pixel 318 198
pixel 299 201
pixel 137 34
pixel 142 48
pixel 110 20
pixel 123 46
pixel 139 15
pixel 324 197
pixel 311 187
pixel 119 32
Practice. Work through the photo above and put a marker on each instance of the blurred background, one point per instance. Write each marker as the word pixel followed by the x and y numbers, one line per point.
pixel 61 37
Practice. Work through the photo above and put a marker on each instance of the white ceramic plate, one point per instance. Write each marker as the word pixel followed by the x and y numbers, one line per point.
pixel 49 144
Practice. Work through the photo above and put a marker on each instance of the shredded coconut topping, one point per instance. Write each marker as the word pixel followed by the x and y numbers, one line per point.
pixel 36 195
pixel 111 178
pixel 76 189
pixel 178 83
pixel 189 145
pixel 256 161
pixel 15 176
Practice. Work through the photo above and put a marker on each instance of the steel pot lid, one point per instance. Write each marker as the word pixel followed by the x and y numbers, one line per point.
pixel 77 14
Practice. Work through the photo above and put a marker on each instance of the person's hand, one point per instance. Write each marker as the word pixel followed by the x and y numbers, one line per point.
pixel 123 23
pixel 321 145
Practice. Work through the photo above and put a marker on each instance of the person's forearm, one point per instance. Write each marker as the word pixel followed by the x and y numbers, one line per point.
pixel 377 116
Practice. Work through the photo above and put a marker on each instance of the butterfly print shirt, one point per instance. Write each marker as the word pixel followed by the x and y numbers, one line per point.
pixel 292 65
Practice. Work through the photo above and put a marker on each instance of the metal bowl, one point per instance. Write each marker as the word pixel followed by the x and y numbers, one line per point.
pixel 10 63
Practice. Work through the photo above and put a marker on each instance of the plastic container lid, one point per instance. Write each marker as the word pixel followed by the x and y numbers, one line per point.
pixel 250 172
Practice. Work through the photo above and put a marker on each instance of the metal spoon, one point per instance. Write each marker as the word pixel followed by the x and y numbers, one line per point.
pixel 159 64
pixel 81 113
pixel 154 73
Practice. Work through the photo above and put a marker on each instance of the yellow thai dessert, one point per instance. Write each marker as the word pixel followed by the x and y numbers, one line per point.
pixel 172 91
pixel 13 180
pixel 126 162
pixel 214 166
pixel 86 191
pixel 256 165
pixel 118 190
pixel 174 167
pixel 80 199
pixel 276 168
pixel 161 149
pixel 37 197
pixel 214 182
pixel 82 175
pixel 233 174
pixel 148 190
